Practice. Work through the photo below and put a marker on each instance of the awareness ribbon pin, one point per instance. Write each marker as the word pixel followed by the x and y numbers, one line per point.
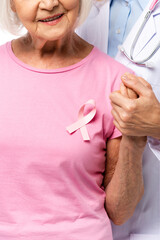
pixel 83 120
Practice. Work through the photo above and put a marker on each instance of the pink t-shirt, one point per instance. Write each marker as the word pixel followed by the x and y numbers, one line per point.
pixel 50 180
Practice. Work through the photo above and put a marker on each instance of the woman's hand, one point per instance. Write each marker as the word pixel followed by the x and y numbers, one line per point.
pixel 136 115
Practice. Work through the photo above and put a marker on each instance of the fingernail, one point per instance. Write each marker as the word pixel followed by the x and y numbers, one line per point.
pixel 124 77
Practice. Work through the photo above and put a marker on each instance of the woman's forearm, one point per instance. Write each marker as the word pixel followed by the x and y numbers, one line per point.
pixel 126 186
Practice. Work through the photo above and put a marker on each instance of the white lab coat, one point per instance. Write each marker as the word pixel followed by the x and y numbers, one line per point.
pixel 145 223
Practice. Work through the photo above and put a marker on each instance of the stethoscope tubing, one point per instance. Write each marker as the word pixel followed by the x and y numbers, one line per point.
pixel 142 62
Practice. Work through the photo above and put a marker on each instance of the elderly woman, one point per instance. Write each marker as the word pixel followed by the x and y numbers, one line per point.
pixel 63 163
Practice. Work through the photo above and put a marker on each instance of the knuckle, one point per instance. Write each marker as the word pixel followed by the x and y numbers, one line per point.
pixel 135 80
pixel 124 117
pixel 149 93
pixel 131 106
pixel 148 85
pixel 145 83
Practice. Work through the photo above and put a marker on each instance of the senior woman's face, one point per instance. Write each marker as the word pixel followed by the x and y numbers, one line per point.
pixel 47 19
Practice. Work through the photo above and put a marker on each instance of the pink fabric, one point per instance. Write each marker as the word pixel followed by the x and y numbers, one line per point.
pixel 83 120
pixel 50 180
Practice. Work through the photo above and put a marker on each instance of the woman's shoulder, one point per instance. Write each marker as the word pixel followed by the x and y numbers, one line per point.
pixel 107 71
pixel 3 48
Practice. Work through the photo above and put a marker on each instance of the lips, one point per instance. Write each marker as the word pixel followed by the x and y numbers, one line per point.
pixel 53 18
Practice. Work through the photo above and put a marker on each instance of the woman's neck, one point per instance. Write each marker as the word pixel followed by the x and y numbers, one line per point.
pixel 41 53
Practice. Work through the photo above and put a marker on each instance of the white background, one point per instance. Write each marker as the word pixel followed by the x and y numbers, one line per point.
pixel 5 37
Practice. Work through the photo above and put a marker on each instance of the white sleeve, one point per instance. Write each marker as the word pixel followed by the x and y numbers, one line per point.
pixel 154 145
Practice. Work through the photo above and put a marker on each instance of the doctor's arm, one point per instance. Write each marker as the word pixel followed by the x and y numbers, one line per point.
pixel 123 179
pixel 136 117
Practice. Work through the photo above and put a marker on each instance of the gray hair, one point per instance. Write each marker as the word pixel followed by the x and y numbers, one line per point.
pixel 10 22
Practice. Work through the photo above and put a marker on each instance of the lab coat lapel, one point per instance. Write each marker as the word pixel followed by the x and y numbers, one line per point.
pixel 95 28
pixel 150 32
pixel 101 22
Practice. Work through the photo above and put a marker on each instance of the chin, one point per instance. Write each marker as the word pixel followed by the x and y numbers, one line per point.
pixel 53 36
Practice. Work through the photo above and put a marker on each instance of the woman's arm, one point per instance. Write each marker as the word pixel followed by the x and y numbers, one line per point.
pixel 123 179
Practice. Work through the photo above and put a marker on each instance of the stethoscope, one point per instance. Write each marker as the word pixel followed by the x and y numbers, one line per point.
pixel 142 62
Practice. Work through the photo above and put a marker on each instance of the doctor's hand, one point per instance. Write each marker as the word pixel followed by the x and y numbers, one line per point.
pixel 137 112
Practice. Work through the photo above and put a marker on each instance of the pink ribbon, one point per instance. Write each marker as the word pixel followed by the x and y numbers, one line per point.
pixel 83 120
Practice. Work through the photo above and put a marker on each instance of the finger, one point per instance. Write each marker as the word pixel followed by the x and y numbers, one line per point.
pixel 124 118
pixel 132 94
pixel 115 116
pixel 127 92
pixel 142 80
pixel 127 132
pixel 136 83
pixel 123 90
pixel 119 111
pixel 123 102
pixel 117 125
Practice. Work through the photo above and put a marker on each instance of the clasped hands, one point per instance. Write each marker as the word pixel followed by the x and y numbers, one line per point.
pixel 135 108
